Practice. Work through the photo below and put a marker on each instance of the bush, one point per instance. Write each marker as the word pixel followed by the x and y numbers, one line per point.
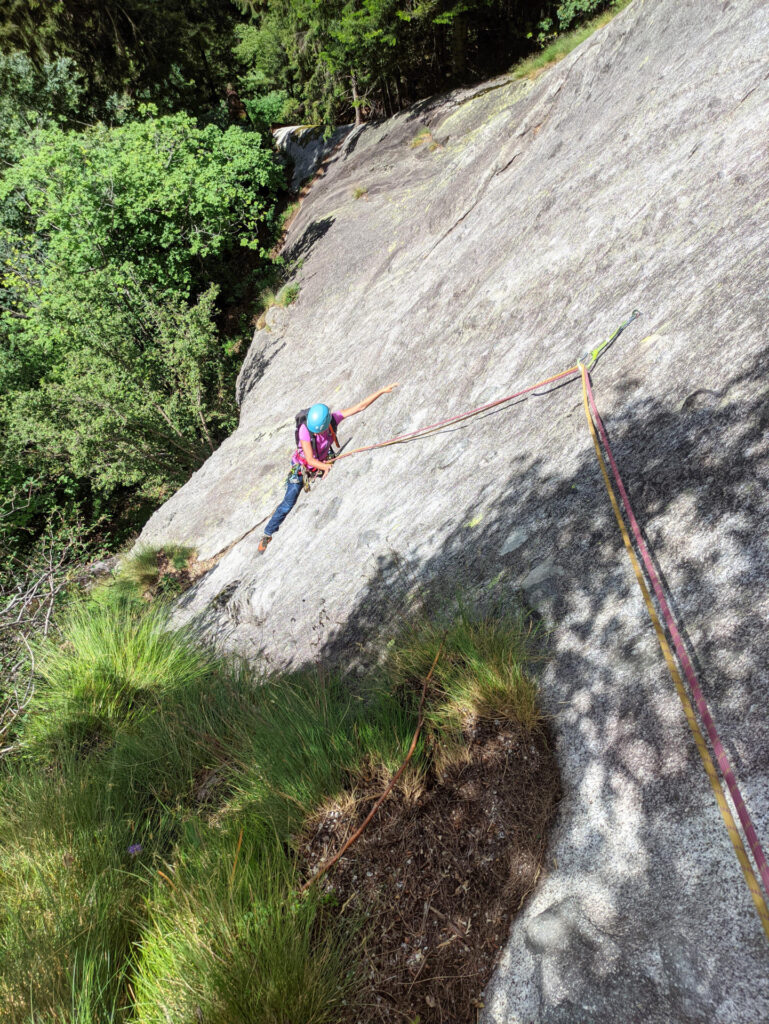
pixel 161 193
pixel 116 244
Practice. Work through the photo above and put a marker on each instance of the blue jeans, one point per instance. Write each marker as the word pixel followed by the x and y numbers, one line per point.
pixel 293 490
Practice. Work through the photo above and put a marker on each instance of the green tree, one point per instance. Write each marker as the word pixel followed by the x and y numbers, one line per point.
pixel 114 243
pixel 336 58
pixel 140 401
pixel 32 98
pixel 177 54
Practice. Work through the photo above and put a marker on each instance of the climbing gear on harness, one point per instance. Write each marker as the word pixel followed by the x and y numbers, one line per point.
pixel 318 418
pixel 591 412
pixel 301 473
pixel 266 538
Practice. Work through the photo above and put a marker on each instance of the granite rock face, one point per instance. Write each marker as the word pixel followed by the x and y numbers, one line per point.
pixel 306 148
pixel 497 234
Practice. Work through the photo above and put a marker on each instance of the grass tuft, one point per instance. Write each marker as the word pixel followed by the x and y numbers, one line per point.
pixel 270 297
pixel 288 294
pixel 144 569
pixel 116 663
pixel 482 672
pixel 247 951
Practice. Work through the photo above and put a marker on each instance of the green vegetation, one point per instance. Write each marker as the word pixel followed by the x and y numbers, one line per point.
pixel 276 296
pixel 288 294
pixel 152 796
pixel 287 215
pixel 148 569
pixel 359 191
pixel 482 668
pixel 176 55
pixel 150 819
pixel 113 372
pixel 337 61
pixel 424 136
pixel 562 45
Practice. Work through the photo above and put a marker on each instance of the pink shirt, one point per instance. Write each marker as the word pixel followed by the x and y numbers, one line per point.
pixel 322 441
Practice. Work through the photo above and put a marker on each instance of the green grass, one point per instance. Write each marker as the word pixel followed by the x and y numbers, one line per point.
pixel 359 191
pixel 148 825
pixel 282 297
pixel 564 44
pixel 287 214
pixel 425 135
pixel 288 294
pixel 141 570
pixel 240 944
pixel 482 672
pixel 116 664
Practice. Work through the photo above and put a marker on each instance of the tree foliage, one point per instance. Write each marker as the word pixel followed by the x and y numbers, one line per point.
pixel 177 53
pixel 114 245
pixel 333 56
pixel 34 97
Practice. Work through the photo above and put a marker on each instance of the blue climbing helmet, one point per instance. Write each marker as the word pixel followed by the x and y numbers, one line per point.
pixel 318 418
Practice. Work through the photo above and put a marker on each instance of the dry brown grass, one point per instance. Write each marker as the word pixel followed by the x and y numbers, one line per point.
pixel 441 870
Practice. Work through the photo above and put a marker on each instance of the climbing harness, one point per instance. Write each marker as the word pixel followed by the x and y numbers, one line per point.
pixel 582 368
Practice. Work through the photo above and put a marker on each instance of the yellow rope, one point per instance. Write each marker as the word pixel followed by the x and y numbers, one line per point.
pixel 699 739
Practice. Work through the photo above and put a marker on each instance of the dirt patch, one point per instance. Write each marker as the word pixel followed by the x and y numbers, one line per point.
pixel 438 876
pixel 173 577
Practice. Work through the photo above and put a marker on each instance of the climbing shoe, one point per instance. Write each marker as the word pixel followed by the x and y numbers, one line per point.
pixel 263 543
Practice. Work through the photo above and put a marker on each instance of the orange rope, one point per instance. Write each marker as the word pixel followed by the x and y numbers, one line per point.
pixel 699 739
pixel 346 846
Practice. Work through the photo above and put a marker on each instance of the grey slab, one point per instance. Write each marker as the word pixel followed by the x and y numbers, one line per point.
pixel 527 225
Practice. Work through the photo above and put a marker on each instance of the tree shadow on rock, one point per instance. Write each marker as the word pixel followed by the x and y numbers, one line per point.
pixel 310 236
pixel 638 811
pixel 552 537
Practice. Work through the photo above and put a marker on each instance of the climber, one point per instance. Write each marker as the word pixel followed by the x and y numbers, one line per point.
pixel 315 434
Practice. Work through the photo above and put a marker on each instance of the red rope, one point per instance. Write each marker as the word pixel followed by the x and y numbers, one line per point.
pixel 412 435
pixel 683 657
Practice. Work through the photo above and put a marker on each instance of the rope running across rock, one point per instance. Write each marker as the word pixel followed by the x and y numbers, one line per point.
pixel 580 369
